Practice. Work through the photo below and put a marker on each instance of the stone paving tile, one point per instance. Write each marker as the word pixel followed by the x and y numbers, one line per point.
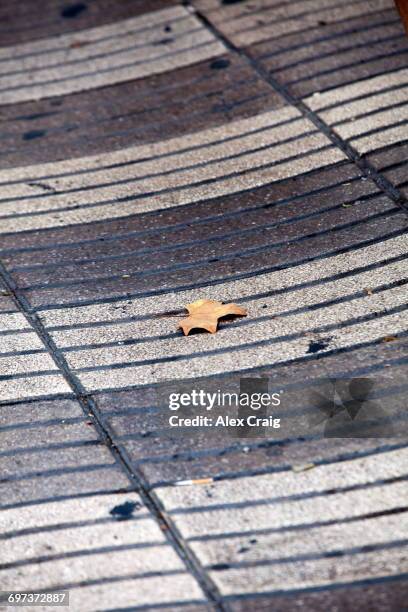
pixel 162 341
pixel 80 544
pixel 272 556
pixel 371 115
pixel 336 51
pixel 63 524
pixel 138 420
pixel 49 449
pixel 344 232
pixel 348 65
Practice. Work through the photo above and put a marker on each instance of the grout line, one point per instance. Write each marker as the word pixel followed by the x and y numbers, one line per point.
pixel 362 163
pixel 137 480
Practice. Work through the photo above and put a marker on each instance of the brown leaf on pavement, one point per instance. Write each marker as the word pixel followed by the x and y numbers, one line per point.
pixel 204 314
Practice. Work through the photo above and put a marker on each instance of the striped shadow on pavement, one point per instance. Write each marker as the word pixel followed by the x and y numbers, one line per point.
pixel 219 169
pixel 372 116
pixel 108 559
pixel 129 49
pixel 293 286
pixel 249 24
pixel 293 527
pixel 153 161
pixel 309 46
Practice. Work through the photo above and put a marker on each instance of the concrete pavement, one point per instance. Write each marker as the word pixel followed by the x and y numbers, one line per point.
pixel 155 153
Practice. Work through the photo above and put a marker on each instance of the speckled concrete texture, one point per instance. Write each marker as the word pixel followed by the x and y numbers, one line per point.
pixel 157 153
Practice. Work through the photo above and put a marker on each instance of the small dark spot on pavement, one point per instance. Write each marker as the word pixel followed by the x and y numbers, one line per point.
pixel 73 10
pixel 318 345
pixel 163 41
pixel 218 567
pixel 125 511
pixel 167 28
pixel 231 1
pixel 42 186
pixel 33 134
pixel 219 64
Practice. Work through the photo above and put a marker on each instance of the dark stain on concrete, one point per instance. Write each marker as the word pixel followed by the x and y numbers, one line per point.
pixel 32 134
pixel 42 186
pixel 124 511
pixel 163 41
pixel 219 567
pixel 73 10
pixel 318 345
pixel 219 64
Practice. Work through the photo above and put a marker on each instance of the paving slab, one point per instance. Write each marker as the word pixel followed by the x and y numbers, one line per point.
pixel 82 546
pixel 51 449
pixel 284 561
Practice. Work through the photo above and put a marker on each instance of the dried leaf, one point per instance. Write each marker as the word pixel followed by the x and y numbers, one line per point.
pixel 368 291
pixel 389 339
pixel 204 314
